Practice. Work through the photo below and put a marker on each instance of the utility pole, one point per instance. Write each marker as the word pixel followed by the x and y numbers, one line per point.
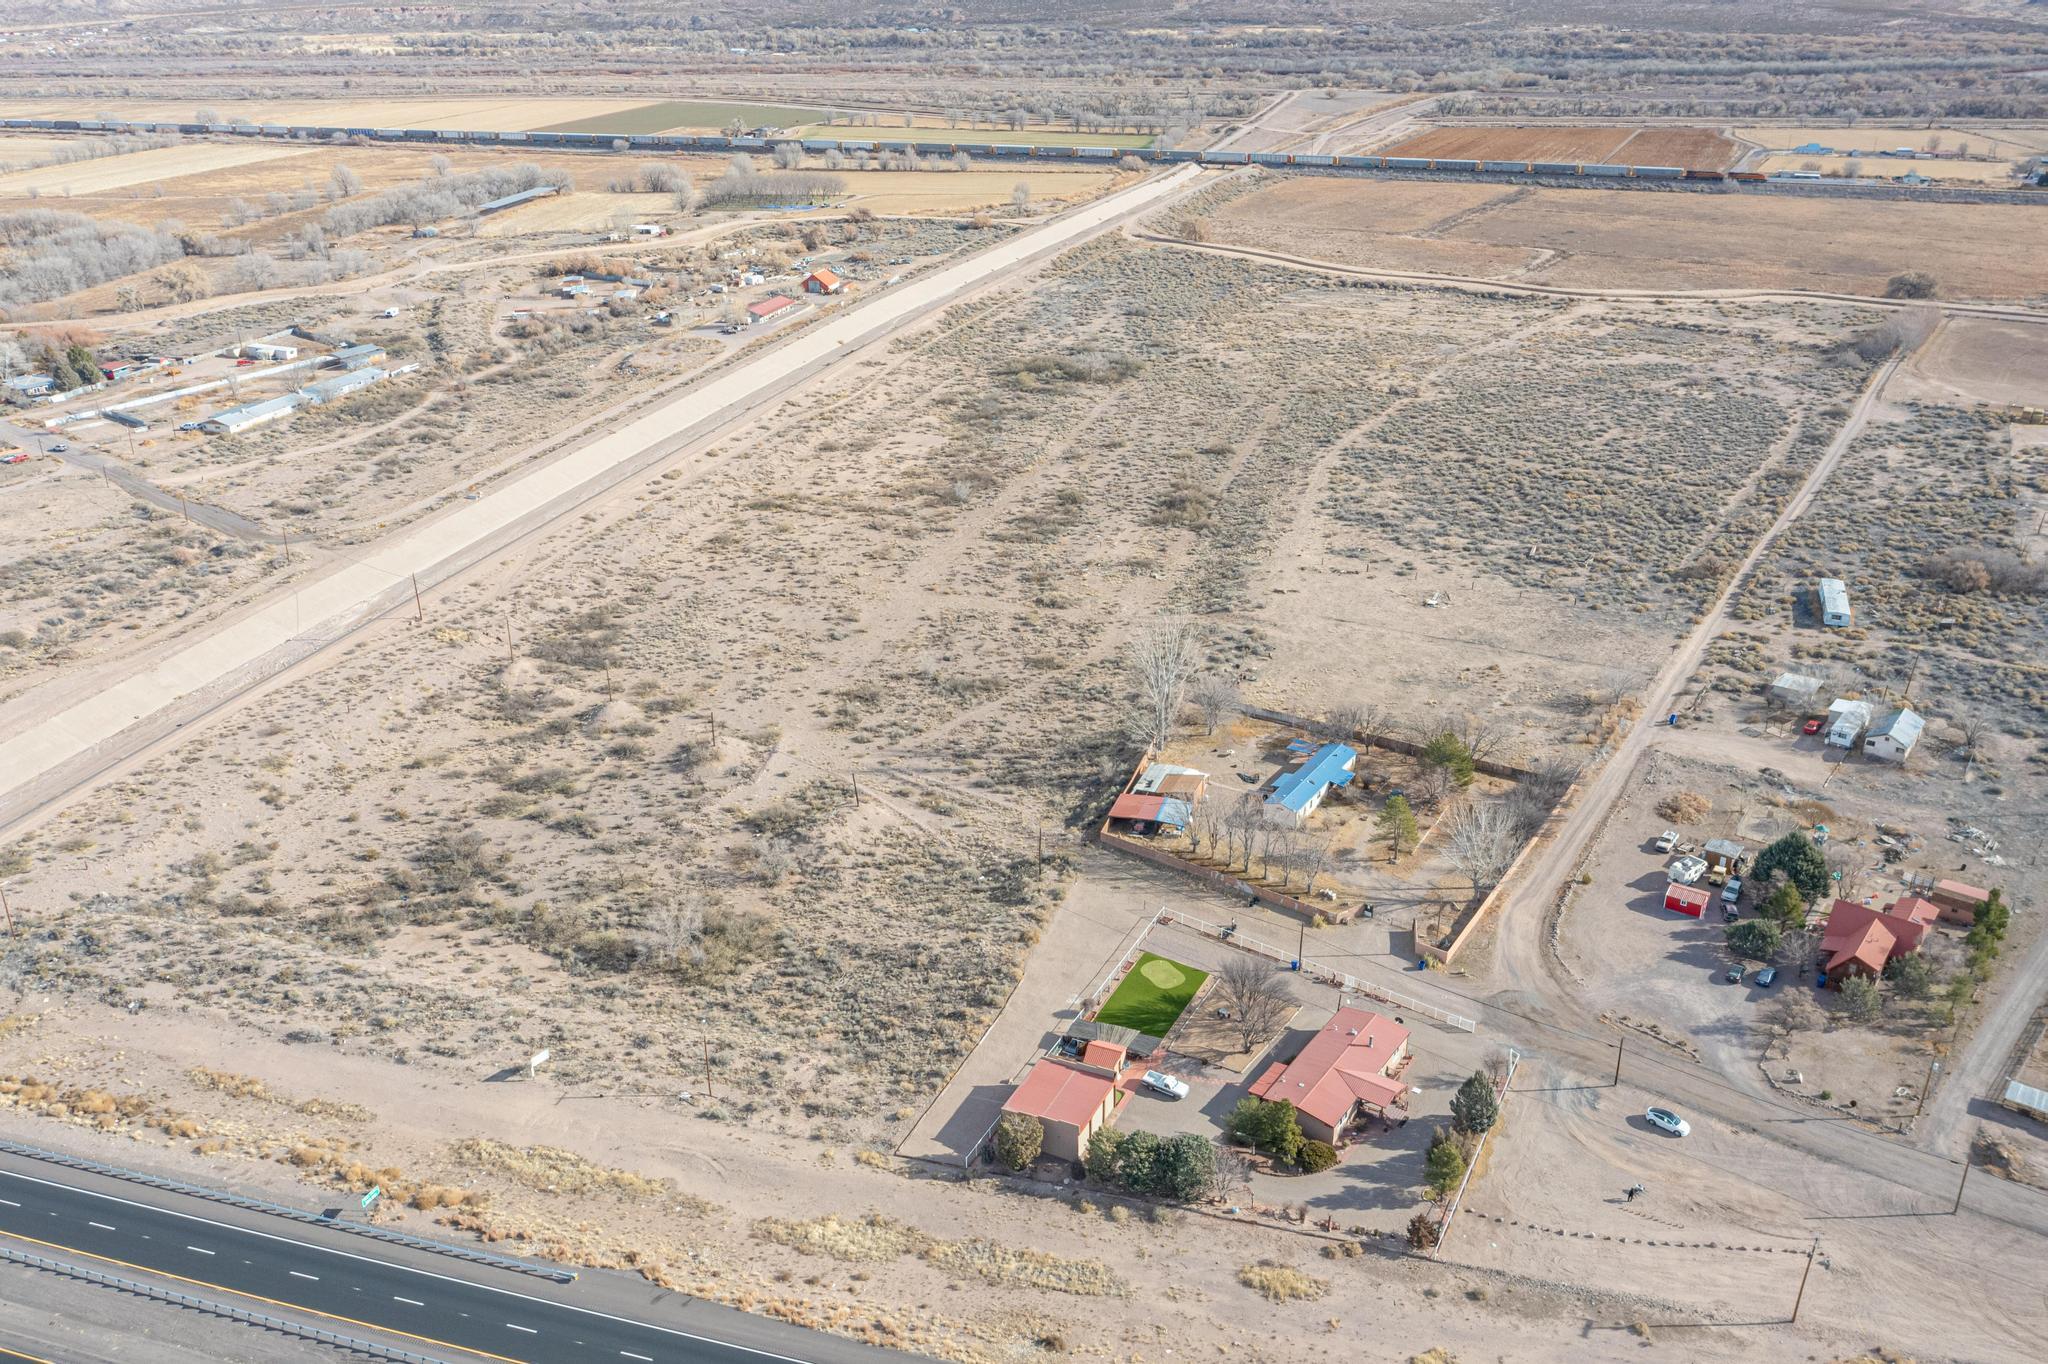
pixel 1933 1065
pixel 1618 1045
pixel 8 910
pixel 419 609
pixel 1960 1185
pixel 856 788
pixel 508 632
pixel 1811 1251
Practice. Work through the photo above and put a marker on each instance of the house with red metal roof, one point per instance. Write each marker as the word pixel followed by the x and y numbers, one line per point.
pixel 1072 1102
pixel 772 306
pixel 1860 941
pixel 1343 1070
pixel 823 281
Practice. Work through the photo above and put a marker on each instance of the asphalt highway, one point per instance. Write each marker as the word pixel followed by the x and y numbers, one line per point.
pixel 441 1309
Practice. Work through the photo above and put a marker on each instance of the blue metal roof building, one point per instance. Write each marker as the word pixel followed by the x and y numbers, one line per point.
pixel 1297 793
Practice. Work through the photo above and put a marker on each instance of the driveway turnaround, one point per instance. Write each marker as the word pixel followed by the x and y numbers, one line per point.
pixel 38 742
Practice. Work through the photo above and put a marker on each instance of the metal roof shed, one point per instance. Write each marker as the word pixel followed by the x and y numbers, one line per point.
pixel 1893 736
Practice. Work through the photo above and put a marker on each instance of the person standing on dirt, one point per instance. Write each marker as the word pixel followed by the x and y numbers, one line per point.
pixel 1633 1190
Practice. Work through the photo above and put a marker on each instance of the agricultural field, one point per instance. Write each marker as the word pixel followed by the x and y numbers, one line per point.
pixel 2008 141
pixel 675 116
pixel 478 114
pixel 1698 148
pixel 110 173
pixel 20 150
pixel 1977 173
pixel 1627 239
pixel 963 191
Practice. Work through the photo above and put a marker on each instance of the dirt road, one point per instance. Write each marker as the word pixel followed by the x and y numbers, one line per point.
pixel 1516 289
pixel 1524 957
pixel 54 738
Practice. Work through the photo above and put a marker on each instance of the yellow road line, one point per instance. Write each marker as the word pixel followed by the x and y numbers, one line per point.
pixel 16 1354
pixel 258 1297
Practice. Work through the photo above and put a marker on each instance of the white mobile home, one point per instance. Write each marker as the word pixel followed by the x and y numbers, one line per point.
pixel 1834 603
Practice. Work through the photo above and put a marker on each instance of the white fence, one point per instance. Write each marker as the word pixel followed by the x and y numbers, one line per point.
pixel 1351 984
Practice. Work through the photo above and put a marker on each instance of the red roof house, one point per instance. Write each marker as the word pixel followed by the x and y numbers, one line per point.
pixel 769 307
pixel 1073 1104
pixel 1691 900
pixel 823 281
pixel 1861 941
pixel 1343 1066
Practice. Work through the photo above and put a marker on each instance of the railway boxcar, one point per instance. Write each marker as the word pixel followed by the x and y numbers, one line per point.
pixel 1270 158
pixel 449 135
pixel 1358 162
pixel 1659 172
pixel 1097 153
pixel 1499 167
pixel 1008 149
pixel 1601 168
pixel 1226 158
pixel 1408 162
pixel 818 144
pixel 1553 168
pixel 1456 165
pixel 750 144
pixel 1314 159
pixel 975 148
pixel 1705 175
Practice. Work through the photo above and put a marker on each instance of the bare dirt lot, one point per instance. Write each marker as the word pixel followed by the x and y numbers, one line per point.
pixel 1974 359
pixel 1701 148
pixel 1624 239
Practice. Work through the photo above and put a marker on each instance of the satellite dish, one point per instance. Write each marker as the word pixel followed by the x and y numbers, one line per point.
pixel 533 1064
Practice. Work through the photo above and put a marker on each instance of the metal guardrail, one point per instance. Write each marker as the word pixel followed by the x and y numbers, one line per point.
pixel 223 1309
pixel 1352 984
pixel 552 1272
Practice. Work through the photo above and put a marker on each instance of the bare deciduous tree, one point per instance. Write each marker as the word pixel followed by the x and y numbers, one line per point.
pixel 1216 696
pixel 1162 661
pixel 1480 841
pixel 1254 992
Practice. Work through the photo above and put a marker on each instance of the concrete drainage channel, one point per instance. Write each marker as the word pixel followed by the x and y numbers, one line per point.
pixel 261 1320
pixel 553 1273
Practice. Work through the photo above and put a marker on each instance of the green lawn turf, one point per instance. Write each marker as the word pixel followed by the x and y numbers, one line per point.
pixel 703 115
pixel 1152 996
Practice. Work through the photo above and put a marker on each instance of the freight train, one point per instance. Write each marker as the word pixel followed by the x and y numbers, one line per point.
pixel 688 142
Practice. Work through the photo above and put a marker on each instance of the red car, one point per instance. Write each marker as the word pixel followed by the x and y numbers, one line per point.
pixel 17 457
pixel 1812 726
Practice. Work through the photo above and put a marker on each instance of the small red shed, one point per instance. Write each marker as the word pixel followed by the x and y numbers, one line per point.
pixel 1691 900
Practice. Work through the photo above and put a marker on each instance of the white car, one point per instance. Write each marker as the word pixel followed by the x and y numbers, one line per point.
pixel 1160 1082
pixel 1667 840
pixel 1669 1121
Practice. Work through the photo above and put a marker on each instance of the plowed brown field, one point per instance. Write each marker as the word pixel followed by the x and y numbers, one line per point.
pixel 1701 148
